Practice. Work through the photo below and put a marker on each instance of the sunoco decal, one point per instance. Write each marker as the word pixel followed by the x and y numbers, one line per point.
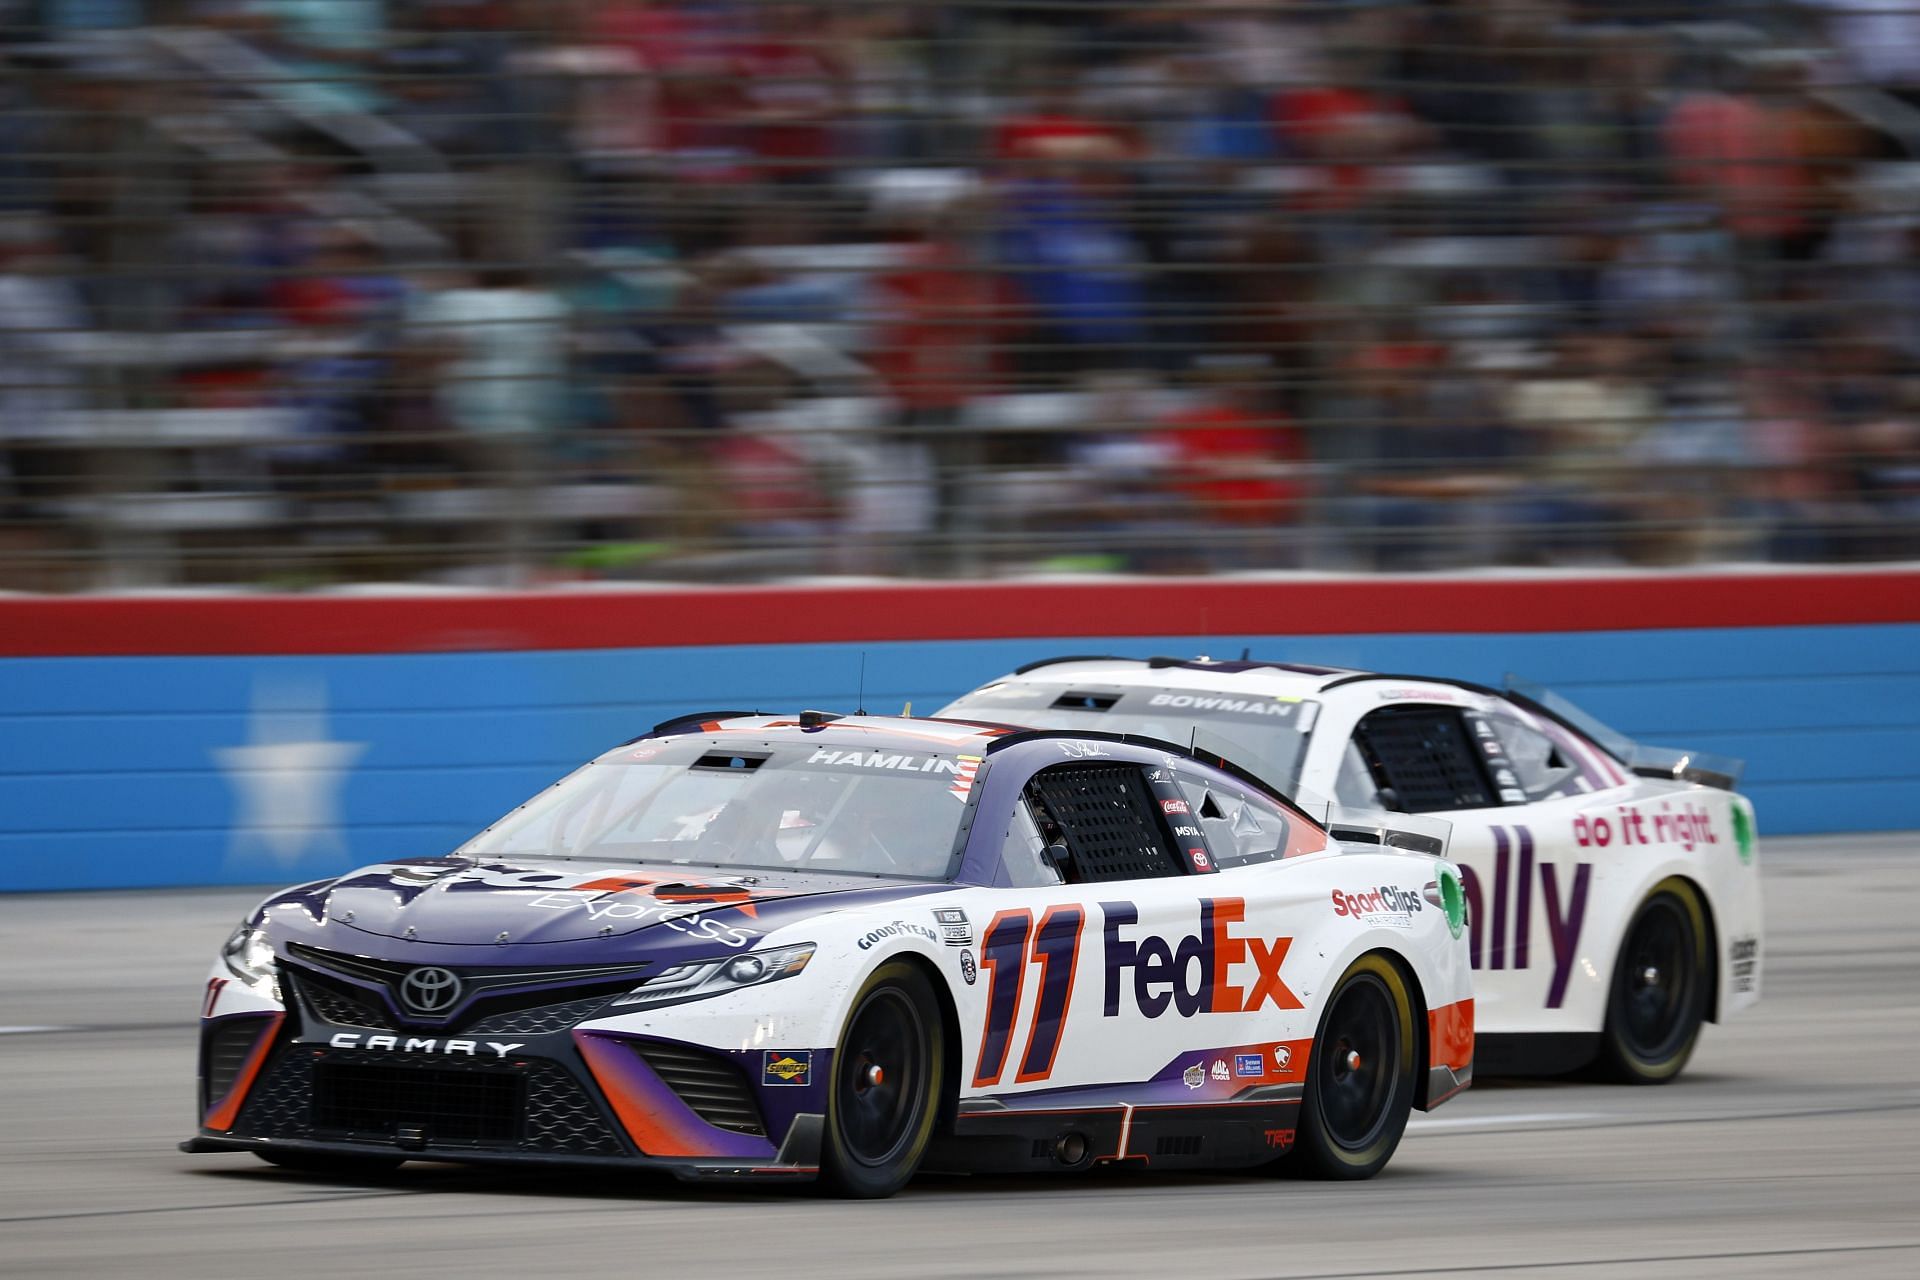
pixel 786 1066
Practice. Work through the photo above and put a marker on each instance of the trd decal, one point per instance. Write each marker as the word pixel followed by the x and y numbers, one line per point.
pixel 1164 974
pixel 1004 954
pixel 1508 935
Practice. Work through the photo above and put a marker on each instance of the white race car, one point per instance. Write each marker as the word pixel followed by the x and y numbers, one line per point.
pixel 749 946
pixel 1614 889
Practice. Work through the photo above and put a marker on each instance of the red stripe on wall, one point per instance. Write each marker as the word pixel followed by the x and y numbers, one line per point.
pixel 234 625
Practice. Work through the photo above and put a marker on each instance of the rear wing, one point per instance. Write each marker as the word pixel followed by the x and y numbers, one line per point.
pixel 1702 767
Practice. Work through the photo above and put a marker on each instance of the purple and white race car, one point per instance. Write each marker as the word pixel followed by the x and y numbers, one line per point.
pixel 847 947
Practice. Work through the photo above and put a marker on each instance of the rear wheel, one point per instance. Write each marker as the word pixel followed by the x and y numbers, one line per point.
pixel 333 1163
pixel 1360 1080
pixel 1658 997
pixel 888 1074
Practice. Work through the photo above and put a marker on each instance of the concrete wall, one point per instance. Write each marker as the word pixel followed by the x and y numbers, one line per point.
pixel 263 763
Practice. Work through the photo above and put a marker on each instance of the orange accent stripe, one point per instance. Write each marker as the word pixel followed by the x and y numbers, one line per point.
pixel 1450 1035
pixel 653 1133
pixel 227 1110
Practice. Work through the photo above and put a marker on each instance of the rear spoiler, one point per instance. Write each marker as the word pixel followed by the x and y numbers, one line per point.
pixel 1416 833
pixel 1701 767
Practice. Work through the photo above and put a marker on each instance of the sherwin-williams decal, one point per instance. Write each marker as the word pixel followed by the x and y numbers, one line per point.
pixel 1742 833
pixel 1446 894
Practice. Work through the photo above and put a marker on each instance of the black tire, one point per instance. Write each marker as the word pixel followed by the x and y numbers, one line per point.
pixel 332 1163
pixel 1360 1080
pixel 1658 997
pixel 889 1076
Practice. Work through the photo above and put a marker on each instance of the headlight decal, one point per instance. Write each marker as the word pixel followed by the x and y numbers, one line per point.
pixel 698 981
pixel 249 957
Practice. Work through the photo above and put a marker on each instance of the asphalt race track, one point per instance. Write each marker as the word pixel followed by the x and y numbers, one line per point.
pixel 1791 1147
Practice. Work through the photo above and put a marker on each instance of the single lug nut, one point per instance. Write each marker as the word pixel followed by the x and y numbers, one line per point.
pixel 876 1075
pixel 1650 976
pixel 1353 1059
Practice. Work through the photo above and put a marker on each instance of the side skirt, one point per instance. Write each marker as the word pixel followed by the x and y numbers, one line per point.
pixel 1230 1135
pixel 1546 1054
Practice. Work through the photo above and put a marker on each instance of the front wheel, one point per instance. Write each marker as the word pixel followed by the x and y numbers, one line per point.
pixel 888 1073
pixel 1658 997
pixel 1360 1079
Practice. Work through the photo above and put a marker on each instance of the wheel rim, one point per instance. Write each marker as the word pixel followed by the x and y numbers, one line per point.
pixel 1656 980
pixel 1360 1063
pixel 881 1079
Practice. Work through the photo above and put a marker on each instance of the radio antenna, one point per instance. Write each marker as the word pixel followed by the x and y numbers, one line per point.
pixel 860 699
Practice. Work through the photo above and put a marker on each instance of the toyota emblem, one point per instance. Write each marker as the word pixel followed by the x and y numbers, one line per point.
pixel 430 989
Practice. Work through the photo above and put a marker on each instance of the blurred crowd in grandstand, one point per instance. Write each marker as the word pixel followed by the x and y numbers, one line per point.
pixel 309 291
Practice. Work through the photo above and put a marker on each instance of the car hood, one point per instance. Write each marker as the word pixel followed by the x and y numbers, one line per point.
pixel 459 911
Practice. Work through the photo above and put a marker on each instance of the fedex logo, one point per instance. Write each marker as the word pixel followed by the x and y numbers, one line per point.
pixel 1195 974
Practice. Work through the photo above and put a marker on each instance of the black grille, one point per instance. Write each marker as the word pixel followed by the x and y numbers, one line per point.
pixel 335 1005
pixel 713 1087
pixel 1178 1144
pixel 534 1022
pixel 555 1114
pixel 358 1100
pixel 503 1011
pixel 224 1051
pixel 1112 827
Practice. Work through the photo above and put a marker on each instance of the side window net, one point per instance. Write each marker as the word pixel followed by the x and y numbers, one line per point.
pixel 1425 756
pixel 1111 822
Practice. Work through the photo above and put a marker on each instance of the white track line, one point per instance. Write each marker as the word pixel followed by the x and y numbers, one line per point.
pixel 27 1031
pixel 1493 1122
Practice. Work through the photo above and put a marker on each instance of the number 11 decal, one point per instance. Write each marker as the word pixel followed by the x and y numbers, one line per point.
pixel 1004 953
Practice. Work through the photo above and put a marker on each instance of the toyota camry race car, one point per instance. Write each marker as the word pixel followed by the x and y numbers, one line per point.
pixel 1613 890
pixel 748 946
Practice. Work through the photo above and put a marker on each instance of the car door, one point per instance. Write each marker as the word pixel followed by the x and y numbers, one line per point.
pixel 1515 796
pixel 1149 956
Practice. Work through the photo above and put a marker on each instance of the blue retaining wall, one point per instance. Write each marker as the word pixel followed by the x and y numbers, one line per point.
pixel 115 772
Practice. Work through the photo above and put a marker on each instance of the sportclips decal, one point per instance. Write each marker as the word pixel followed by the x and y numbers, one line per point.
pixel 1192 975
pixel 1501 933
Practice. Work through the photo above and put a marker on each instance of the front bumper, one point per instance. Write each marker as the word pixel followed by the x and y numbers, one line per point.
pixel 798 1158
pixel 578 1098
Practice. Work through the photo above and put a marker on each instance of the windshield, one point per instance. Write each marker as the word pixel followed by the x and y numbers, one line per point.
pixel 815 806
pixel 1264 735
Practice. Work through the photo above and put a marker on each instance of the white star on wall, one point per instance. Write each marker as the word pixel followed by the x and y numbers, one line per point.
pixel 288 777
